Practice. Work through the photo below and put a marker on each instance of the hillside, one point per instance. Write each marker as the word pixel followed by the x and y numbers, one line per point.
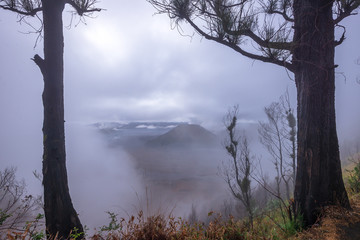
pixel 185 135
pixel 177 162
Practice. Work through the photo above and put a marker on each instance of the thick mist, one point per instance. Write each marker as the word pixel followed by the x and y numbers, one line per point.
pixel 116 71
pixel 100 179
pixel 126 179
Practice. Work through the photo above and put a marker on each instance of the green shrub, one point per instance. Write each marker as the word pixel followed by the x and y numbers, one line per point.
pixel 354 179
pixel 3 216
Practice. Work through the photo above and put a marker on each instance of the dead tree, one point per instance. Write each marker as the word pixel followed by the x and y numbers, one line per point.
pixel 237 173
pixel 272 137
pixel 278 135
pixel 289 124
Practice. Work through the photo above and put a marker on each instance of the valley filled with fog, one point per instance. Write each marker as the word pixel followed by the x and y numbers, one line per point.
pixel 178 89
pixel 126 168
pixel 161 167
pixel 154 167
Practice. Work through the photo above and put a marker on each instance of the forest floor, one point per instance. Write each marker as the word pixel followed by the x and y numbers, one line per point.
pixel 336 224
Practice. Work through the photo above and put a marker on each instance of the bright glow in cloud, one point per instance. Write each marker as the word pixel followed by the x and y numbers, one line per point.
pixel 161 100
pixel 104 42
pixel 157 102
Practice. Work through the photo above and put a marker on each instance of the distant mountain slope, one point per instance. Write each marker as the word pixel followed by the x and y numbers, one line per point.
pixel 185 135
pixel 116 126
pixel 133 133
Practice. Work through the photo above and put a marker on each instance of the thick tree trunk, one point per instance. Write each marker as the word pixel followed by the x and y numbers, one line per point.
pixel 61 218
pixel 319 179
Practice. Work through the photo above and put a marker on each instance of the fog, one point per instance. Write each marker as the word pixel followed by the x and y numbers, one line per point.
pixel 100 179
pixel 144 71
pixel 127 170
pixel 103 176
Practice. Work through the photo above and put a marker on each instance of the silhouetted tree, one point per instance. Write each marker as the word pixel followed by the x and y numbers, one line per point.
pixel 290 134
pixel 237 173
pixel 299 36
pixel 272 137
pixel 61 217
pixel 278 135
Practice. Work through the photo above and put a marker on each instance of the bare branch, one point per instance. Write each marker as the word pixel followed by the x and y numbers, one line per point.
pixel 342 38
pixel 16 207
pixel 278 135
pixel 237 173
pixel 40 62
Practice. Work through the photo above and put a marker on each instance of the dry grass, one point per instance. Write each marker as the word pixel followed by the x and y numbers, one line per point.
pixel 169 228
pixel 336 224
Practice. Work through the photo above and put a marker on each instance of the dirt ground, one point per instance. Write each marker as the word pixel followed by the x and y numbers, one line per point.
pixel 337 224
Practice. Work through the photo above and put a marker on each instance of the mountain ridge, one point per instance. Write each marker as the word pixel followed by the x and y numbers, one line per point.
pixel 185 135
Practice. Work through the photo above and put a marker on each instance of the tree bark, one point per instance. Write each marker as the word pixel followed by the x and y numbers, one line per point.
pixel 319 179
pixel 61 218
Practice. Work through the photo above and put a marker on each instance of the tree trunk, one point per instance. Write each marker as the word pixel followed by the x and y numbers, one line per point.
pixel 319 179
pixel 61 218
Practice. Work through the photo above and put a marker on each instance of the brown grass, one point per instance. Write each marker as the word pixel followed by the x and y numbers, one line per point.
pixel 336 224
pixel 161 228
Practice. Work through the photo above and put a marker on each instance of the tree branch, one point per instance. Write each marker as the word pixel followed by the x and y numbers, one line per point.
pixel 263 43
pixel 40 62
pixel 346 10
pixel 83 6
pixel 273 7
pixel 238 49
pixel 227 23
pixel 232 25
pixel 283 14
pixel 342 38
pixel 12 6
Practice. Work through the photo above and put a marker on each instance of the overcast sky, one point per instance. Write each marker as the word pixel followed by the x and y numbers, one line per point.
pixel 128 65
